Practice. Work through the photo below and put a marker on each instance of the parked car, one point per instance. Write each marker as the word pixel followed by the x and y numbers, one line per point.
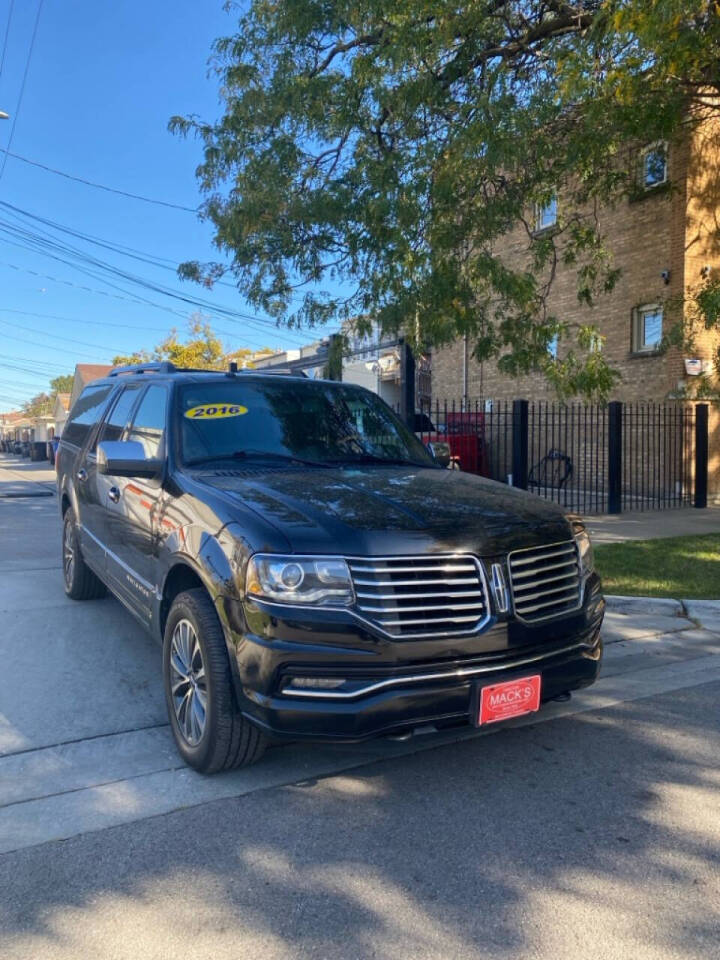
pixel 462 435
pixel 310 570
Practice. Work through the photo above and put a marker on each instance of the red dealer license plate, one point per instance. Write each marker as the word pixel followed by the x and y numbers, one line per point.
pixel 514 698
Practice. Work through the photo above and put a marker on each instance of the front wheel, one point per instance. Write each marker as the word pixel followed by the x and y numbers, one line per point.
pixel 210 734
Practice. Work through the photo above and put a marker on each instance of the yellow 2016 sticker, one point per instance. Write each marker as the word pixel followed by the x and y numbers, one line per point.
pixel 215 411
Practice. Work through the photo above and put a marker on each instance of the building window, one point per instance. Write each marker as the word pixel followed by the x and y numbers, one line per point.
pixel 647 328
pixel 546 214
pixel 552 347
pixel 654 165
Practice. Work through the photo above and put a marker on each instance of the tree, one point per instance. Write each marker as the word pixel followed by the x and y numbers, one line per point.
pixel 63 384
pixel 382 150
pixel 203 348
pixel 39 405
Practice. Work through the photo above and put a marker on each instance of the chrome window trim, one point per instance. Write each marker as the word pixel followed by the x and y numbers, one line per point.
pixel 459 674
pixel 581 581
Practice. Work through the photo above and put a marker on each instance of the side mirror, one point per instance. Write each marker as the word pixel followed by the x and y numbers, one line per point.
pixel 440 452
pixel 126 458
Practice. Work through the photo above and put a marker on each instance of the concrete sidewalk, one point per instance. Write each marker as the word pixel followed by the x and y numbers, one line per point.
pixel 653 524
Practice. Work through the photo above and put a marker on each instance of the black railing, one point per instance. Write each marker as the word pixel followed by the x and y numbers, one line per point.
pixel 588 458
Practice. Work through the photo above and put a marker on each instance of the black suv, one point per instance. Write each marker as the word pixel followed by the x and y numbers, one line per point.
pixel 311 570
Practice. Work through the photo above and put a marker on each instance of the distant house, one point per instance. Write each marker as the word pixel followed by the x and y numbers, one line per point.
pixel 15 425
pixel 60 411
pixel 85 373
pixel 43 428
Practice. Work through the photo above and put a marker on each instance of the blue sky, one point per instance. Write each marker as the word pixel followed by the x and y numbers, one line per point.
pixel 103 80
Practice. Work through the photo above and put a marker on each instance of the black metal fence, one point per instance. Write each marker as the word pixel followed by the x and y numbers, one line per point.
pixel 589 458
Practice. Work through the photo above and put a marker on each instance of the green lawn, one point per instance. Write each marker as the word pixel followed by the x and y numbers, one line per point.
pixel 676 567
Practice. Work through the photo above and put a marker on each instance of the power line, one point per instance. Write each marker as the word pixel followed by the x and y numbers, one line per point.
pixel 7 34
pixel 22 86
pixel 92 323
pixel 100 186
pixel 35 343
pixel 62 367
pixel 45 243
pixel 53 336
pixel 163 263
pixel 142 301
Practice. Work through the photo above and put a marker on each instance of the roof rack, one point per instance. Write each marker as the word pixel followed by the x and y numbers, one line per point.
pixel 164 367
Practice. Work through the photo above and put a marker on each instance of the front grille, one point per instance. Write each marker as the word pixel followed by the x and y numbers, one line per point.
pixel 545 580
pixel 420 596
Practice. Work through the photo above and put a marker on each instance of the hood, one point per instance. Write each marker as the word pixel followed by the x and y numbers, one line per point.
pixel 391 510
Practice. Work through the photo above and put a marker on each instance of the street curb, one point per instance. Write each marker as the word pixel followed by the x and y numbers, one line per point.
pixel 653 606
pixel 706 613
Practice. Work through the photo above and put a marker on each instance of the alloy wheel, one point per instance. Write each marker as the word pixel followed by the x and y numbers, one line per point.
pixel 188 683
pixel 68 553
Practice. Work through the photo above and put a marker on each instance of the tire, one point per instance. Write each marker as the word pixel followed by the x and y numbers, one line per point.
pixel 79 580
pixel 196 667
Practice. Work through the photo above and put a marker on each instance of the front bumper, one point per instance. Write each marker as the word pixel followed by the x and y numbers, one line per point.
pixel 394 686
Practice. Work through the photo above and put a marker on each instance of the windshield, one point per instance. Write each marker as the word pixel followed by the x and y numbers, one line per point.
pixel 311 422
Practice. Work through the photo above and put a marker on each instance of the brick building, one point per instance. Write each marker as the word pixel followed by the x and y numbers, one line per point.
pixel 663 240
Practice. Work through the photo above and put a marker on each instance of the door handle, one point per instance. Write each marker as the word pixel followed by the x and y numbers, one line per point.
pixel 114 494
pixel 82 475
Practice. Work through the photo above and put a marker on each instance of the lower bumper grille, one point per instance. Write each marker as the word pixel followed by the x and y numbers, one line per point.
pixel 423 596
pixel 545 580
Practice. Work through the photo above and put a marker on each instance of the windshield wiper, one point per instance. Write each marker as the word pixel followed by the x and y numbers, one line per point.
pixel 260 455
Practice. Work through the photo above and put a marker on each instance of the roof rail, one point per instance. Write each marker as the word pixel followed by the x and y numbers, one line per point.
pixel 164 367
pixel 274 372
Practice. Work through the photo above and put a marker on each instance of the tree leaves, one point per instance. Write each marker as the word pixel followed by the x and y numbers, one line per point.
pixel 386 159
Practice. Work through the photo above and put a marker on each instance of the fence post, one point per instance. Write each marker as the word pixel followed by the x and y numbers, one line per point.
pixel 701 455
pixel 520 444
pixel 615 419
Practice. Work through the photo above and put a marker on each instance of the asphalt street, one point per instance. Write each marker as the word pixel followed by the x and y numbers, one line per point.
pixel 589 830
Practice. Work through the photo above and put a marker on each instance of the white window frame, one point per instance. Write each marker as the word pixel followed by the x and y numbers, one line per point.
pixel 638 332
pixel 659 145
pixel 540 212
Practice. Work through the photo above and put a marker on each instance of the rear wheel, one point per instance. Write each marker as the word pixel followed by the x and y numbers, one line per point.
pixel 80 582
pixel 210 734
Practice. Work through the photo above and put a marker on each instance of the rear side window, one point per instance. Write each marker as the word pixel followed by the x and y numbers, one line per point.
pixel 86 413
pixel 120 414
pixel 148 426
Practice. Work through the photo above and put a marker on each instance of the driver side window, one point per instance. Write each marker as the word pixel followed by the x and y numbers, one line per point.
pixel 119 416
pixel 148 427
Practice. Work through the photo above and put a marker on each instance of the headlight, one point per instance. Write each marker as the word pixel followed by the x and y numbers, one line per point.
pixel 324 581
pixel 585 551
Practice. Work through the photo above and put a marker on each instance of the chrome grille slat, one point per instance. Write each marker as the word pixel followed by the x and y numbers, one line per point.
pixel 555 555
pixel 391 592
pixel 413 596
pixel 446 569
pixel 534 584
pixel 412 583
pixel 428 606
pixel 570 589
pixel 436 620
pixel 523 574
pixel 545 581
